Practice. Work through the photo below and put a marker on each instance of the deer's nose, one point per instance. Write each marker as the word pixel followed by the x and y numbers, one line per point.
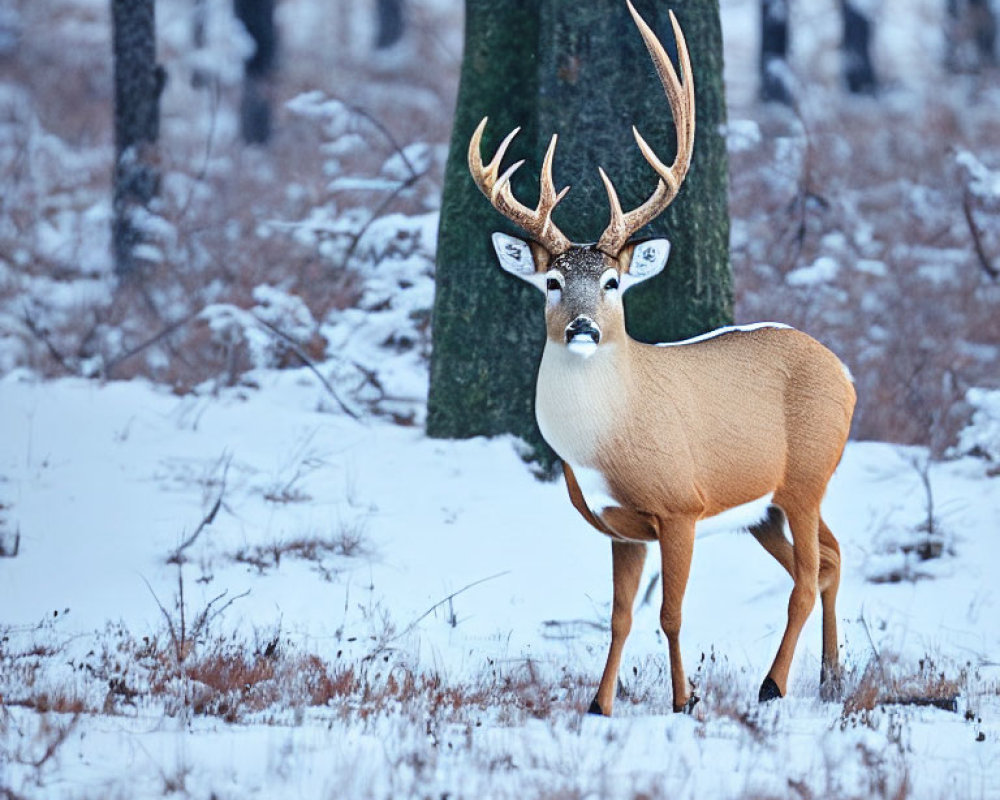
pixel 583 327
pixel 583 332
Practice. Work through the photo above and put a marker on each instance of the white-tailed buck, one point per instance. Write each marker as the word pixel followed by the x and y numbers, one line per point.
pixel 654 439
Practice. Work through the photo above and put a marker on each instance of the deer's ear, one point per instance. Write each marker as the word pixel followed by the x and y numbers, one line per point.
pixel 643 260
pixel 527 260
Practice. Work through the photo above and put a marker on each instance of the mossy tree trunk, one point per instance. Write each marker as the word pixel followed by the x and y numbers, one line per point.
pixel 488 327
pixel 579 69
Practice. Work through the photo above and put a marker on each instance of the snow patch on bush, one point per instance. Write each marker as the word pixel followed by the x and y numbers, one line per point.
pixel 982 434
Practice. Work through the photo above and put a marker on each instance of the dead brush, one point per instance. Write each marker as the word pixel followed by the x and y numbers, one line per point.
pixel 346 542
pixel 885 680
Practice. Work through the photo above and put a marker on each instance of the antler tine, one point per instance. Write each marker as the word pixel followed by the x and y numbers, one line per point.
pixel 538 221
pixel 680 95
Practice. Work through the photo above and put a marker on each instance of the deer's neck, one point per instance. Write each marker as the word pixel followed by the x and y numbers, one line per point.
pixel 580 401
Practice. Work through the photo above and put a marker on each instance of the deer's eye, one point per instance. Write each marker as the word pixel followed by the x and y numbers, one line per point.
pixel 552 285
pixel 610 283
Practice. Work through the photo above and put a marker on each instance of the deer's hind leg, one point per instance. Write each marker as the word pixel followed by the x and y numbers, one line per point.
pixel 829 583
pixel 770 532
pixel 803 519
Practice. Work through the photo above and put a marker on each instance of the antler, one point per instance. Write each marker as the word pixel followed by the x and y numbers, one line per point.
pixel 681 98
pixel 538 222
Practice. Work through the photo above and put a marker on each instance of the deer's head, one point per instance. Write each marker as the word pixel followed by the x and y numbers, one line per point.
pixel 583 283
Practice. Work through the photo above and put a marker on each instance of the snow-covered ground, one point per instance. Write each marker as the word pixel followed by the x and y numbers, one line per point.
pixel 104 483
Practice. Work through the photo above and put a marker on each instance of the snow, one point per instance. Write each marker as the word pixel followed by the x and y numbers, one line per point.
pixel 823 270
pixel 983 433
pixel 753 326
pixel 105 481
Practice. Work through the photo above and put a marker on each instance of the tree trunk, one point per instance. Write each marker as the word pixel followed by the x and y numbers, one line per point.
pixel 389 22
pixel 257 17
pixel 488 327
pixel 138 82
pixel 856 46
pixel 774 83
pixel 592 79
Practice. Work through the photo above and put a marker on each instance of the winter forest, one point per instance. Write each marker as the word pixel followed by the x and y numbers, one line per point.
pixel 276 519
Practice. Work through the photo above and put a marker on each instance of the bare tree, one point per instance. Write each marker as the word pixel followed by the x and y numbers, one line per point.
pixel 138 83
pixel 257 17
pixel 390 23
pixel 859 75
pixel 774 51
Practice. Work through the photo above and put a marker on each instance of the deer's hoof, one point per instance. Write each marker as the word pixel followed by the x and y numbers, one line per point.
pixel 687 707
pixel 768 690
pixel 595 708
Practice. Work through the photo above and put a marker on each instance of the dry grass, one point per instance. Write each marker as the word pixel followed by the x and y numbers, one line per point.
pixel 347 542
pixel 888 681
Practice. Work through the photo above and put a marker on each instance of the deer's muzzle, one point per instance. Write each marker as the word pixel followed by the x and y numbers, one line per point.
pixel 582 336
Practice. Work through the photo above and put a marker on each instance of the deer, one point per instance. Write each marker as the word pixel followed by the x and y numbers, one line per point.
pixel 656 439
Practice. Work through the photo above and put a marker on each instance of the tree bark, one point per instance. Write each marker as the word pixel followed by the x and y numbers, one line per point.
pixel 138 82
pixel 580 70
pixel 774 51
pixel 487 326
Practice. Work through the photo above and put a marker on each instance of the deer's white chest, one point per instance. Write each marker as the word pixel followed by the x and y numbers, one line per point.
pixel 578 401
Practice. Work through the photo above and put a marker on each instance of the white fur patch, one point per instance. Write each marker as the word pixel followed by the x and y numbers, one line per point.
pixel 648 259
pixel 735 518
pixel 515 257
pixel 582 346
pixel 594 488
pixel 577 400
pixel 729 329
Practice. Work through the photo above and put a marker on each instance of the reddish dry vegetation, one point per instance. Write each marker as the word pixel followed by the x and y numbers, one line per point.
pixel 886 681
pixel 236 681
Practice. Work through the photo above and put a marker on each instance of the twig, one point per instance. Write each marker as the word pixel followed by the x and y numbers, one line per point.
pixel 62 734
pixel 381 128
pixel 308 362
pixel 169 329
pixel 177 556
pixel 169 620
pixel 977 237
pixel 871 642
pixel 356 238
pixel 207 616
pixel 43 337
pixel 405 184
pixel 383 646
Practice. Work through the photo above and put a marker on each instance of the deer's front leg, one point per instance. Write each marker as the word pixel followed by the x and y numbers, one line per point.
pixel 627 560
pixel 676 548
